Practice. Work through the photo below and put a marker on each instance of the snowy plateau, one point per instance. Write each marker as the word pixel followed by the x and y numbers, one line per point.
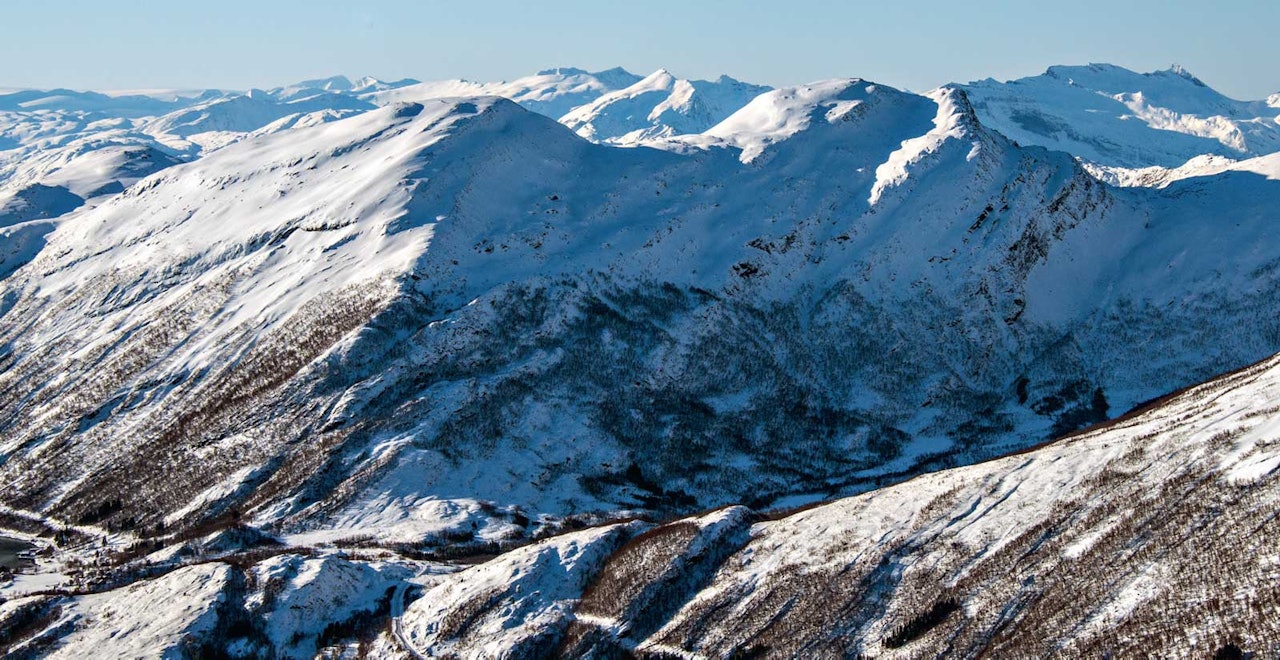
pixel 595 364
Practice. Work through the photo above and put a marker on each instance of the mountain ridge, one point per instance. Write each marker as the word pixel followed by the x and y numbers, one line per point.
pixel 481 264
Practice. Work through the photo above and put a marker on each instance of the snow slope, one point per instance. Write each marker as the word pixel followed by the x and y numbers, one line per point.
pixel 300 597
pixel 1159 177
pixel 87 144
pixel 283 606
pixel 52 163
pixel 131 623
pixel 1125 540
pixel 56 153
pixel 1115 117
pixel 515 606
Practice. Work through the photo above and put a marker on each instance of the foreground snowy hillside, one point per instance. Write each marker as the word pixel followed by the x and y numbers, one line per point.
pixel 368 326
pixel 1115 117
pixel 1154 535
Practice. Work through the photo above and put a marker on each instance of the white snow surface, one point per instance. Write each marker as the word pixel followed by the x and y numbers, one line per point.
pixel 148 619
pixel 525 594
pixel 242 114
pixel 314 592
pixel 1201 166
pixel 277 192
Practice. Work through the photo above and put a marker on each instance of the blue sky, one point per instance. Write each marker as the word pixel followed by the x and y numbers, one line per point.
pixel 1231 44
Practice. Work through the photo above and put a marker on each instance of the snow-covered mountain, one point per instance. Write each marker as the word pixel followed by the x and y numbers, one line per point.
pixel 60 148
pixel 406 330
pixel 60 181
pixel 462 300
pixel 115 105
pixel 1200 166
pixel 660 105
pixel 338 85
pixel 219 121
pixel 1115 117
pixel 1131 129
pixel 553 92
pixel 52 163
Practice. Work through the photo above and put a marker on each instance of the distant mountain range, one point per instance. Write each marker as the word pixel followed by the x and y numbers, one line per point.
pixel 1108 116
pixel 1112 116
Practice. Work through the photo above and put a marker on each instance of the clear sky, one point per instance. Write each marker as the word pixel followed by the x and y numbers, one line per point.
pixel 1233 45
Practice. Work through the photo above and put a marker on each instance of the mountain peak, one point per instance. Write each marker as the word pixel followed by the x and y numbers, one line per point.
pixel 661 75
pixel 616 78
pixel 617 70
pixel 332 83
pixel 1071 71
pixel 780 114
pixel 562 71
pixel 660 105
pixel 1181 72
pixel 1105 74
